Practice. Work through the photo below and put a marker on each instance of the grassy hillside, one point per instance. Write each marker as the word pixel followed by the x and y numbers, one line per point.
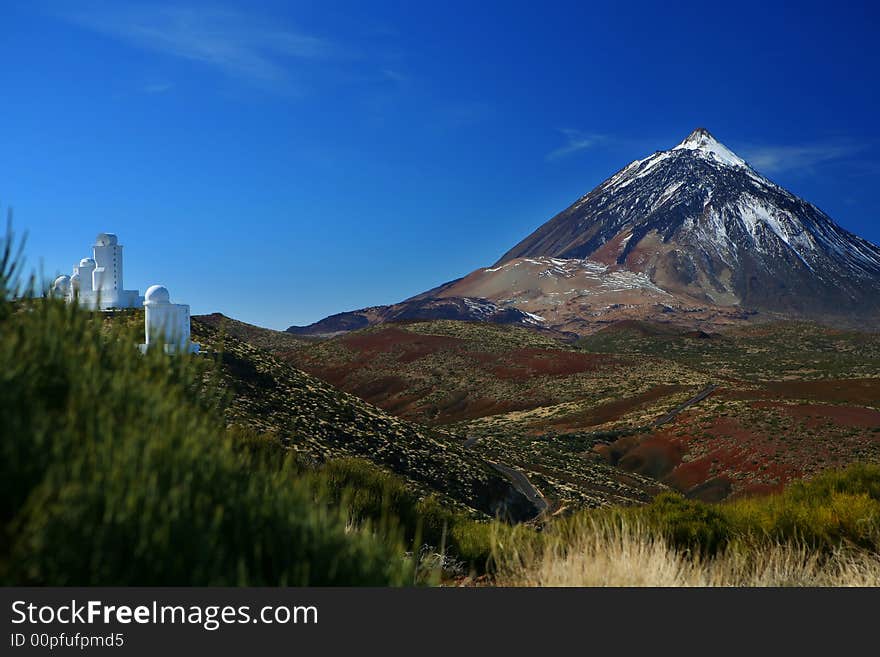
pixel 321 422
pixel 793 400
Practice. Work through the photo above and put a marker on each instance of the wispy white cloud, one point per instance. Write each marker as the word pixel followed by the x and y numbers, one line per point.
pixel 157 87
pixel 575 141
pixel 805 157
pixel 233 42
pixel 394 75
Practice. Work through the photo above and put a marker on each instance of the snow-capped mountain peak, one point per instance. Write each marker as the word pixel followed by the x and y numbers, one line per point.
pixel 698 220
pixel 701 140
pixel 691 236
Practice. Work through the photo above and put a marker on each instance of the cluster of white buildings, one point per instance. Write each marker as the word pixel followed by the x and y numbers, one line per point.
pixel 96 283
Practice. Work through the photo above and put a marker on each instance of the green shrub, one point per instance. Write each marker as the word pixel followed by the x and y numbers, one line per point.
pixel 840 506
pixel 857 479
pixel 154 518
pixel 368 492
pixel 117 469
pixel 687 525
pixel 382 500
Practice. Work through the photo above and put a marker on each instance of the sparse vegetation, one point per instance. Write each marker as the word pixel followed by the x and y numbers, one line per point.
pixel 824 532
pixel 794 399
pixel 322 423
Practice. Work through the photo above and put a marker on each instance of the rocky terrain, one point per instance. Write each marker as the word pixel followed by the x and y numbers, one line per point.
pixel 325 415
pixel 792 399
pixel 321 422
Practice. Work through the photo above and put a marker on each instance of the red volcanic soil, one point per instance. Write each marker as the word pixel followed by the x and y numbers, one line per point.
pixel 369 370
pixel 515 364
pixel 719 457
pixel 853 391
pixel 390 392
pixel 520 364
pixel 819 415
pixel 614 410
pixel 655 456
pixel 406 346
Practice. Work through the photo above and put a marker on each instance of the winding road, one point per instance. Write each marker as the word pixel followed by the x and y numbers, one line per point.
pixel 670 416
pixel 522 484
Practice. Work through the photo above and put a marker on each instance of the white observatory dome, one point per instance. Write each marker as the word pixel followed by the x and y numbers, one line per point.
pixel 157 294
pixel 106 239
pixel 87 262
pixel 61 285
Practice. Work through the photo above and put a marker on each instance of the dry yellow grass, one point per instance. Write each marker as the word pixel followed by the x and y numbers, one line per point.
pixel 603 556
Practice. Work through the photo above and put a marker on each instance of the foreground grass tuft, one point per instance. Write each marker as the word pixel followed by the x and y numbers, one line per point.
pixel 823 532
pixel 632 555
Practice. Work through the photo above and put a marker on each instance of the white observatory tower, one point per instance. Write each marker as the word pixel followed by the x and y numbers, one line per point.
pixel 96 282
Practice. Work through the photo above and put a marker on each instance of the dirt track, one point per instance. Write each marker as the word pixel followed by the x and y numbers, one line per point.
pixel 524 486
pixel 700 396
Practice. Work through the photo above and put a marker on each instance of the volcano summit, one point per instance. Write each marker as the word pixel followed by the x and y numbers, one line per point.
pixel 693 235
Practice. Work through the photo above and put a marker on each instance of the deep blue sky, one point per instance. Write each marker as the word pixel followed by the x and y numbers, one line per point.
pixel 279 163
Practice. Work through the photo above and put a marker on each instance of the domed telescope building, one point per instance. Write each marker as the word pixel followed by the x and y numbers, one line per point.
pixel 167 324
pixel 96 282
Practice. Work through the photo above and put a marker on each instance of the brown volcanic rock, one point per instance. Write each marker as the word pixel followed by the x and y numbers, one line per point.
pixel 422 308
pixel 583 295
pixel 321 422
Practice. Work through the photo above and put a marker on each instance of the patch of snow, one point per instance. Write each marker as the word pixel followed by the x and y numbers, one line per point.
pixel 755 212
pixel 700 140
pixel 480 307
pixel 666 195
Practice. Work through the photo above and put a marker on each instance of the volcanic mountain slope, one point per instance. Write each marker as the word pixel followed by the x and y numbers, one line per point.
pixel 422 308
pixel 692 236
pixel 580 296
pixel 699 221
